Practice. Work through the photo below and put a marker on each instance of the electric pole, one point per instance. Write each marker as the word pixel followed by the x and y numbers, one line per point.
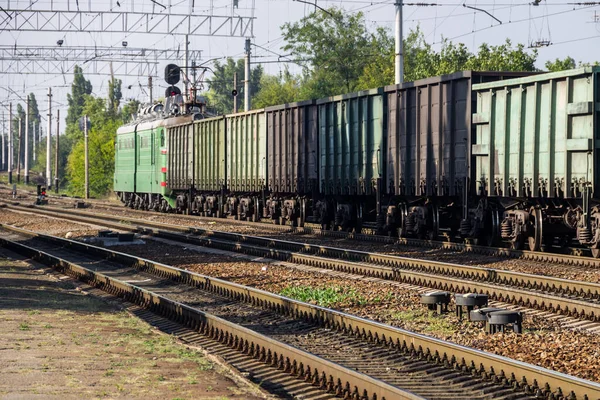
pixel 3 143
pixel 150 88
pixel 49 141
pixel 87 165
pixel 399 45
pixel 19 154
pixel 235 106
pixel 247 77
pixel 34 140
pixel 27 142
pixel 187 71
pixel 10 144
pixel 56 160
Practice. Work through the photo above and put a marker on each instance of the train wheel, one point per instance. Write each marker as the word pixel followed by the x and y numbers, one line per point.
pixel 493 233
pixel 535 218
pixel 435 226
pixel 403 217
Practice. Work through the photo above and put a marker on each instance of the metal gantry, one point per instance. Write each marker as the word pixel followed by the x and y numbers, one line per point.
pixel 159 17
pixel 93 67
pixel 61 52
pixel 49 60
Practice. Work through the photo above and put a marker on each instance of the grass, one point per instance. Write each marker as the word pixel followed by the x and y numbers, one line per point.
pixel 24 326
pixel 431 322
pixel 326 297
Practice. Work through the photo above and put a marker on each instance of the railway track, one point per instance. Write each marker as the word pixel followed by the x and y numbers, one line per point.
pixel 576 299
pixel 343 354
pixel 560 255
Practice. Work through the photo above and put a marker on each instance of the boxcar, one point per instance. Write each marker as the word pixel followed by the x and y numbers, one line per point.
pixel 351 146
pixel 536 157
pixel 292 149
pixel 246 163
pixel 427 155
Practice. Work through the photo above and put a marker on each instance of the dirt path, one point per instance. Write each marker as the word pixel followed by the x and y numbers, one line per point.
pixel 57 343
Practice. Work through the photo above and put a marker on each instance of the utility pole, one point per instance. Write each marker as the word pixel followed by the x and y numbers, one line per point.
pixel 399 45
pixel 187 71
pixel 3 165
pixel 27 141
pixel 56 160
pixel 34 141
pixel 247 77
pixel 150 88
pixel 49 141
pixel 10 144
pixel 87 170
pixel 19 154
pixel 235 91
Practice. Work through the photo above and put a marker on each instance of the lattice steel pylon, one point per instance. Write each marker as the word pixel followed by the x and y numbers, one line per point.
pixel 130 16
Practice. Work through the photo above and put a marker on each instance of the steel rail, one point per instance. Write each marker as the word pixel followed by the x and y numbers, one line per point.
pixel 327 375
pixel 541 292
pixel 578 258
pixel 520 375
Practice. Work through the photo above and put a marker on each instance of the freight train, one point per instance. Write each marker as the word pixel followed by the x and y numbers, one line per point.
pixel 489 157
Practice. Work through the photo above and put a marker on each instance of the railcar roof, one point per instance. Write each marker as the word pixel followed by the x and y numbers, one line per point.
pixel 155 123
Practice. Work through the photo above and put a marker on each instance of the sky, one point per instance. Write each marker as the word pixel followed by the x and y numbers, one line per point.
pixel 572 29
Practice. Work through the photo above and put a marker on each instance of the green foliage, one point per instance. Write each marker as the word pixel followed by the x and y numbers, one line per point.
pixel 129 110
pixel 326 297
pixel 221 85
pixel 76 99
pixel 568 63
pixel 101 151
pixel 114 95
pixel 275 90
pixel 334 48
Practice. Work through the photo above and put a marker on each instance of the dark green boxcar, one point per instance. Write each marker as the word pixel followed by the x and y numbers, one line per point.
pixel 351 142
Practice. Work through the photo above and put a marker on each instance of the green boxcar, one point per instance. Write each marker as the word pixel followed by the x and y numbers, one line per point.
pixel 246 151
pixel 209 154
pixel 537 136
pixel 351 142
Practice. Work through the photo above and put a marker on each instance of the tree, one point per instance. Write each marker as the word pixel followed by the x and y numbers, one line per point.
pixel 502 58
pixel 221 85
pixel 280 89
pixel 560 65
pixel 114 95
pixel 129 110
pixel 76 99
pixel 101 142
pixel 334 47
pixel 422 61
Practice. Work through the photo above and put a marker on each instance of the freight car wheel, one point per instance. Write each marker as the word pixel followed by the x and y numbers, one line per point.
pixel 493 233
pixel 535 218
pixel 433 233
pixel 403 217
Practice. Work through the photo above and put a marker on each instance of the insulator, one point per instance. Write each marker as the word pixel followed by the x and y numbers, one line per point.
pixel 506 229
